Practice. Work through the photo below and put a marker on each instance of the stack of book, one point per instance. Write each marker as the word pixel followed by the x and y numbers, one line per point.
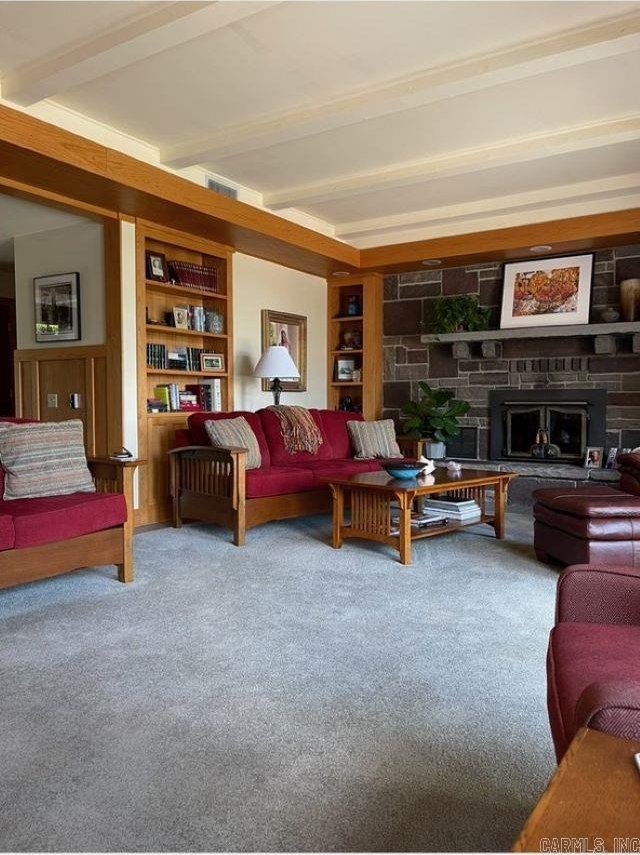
pixel 209 394
pixel 456 508
pixel 157 355
pixel 194 275
pixel 420 522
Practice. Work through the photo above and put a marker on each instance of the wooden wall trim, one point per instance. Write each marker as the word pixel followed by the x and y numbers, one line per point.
pixel 62 168
pixel 591 231
pixel 39 354
pixel 63 370
pixel 37 154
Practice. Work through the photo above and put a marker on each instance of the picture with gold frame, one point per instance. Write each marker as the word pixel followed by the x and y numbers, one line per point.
pixel 290 331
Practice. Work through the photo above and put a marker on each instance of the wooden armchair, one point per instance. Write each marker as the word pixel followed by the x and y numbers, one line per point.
pixel 208 483
pixel 111 545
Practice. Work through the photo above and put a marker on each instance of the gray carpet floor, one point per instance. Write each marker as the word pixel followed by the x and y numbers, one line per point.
pixel 284 696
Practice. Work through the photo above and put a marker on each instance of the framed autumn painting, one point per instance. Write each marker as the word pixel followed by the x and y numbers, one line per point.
pixel 544 291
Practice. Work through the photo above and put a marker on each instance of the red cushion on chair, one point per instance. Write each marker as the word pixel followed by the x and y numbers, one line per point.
pixel 581 654
pixel 279 455
pixel 52 518
pixel 199 435
pixel 334 423
pixel 277 480
pixel 7 532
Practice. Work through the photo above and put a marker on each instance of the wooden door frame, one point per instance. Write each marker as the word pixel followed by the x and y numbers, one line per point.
pixel 11 304
pixel 110 220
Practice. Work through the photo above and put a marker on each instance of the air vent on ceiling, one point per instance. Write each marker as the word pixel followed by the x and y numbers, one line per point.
pixel 217 187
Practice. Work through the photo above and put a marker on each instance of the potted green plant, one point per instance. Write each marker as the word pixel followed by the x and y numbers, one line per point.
pixel 460 314
pixel 434 417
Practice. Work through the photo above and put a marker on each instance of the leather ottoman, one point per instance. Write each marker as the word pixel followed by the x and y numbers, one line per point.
pixel 589 525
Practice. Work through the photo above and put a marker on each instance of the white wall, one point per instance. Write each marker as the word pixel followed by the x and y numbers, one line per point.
pixel 74 249
pixel 261 285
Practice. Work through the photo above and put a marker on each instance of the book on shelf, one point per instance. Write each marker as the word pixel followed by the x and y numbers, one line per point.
pixel 155 405
pixel 209 394
pixel 178 358
pixel 194 275
pixel 156 355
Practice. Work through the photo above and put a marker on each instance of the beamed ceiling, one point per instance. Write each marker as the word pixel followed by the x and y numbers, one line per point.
pixel 388 121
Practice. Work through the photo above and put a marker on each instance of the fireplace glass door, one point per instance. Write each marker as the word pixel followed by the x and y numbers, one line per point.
pixel 565 426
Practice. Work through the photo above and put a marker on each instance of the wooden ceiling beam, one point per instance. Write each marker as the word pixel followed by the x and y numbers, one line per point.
pixel 138 38
pixel 430 85
pixel 589 232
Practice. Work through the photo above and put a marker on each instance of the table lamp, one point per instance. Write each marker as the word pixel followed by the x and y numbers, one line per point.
pixel 275 363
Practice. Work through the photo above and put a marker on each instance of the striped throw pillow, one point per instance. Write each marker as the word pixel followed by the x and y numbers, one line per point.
pixel 235 433
pixel 374 439
pixel 44 459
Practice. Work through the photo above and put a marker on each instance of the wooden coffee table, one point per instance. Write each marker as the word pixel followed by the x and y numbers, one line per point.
pixel 592 803
pixel 370 496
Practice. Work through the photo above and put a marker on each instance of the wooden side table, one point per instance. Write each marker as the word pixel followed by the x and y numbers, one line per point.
pixel 592 803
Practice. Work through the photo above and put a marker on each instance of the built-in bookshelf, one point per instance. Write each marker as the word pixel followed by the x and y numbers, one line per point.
pixel 354 343
pixel 185 347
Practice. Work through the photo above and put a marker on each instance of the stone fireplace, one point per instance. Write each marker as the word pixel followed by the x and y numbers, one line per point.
pixel 546 370
pixel 553 425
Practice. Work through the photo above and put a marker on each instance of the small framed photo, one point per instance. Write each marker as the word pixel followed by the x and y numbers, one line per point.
pixel 57 307
pixel 610 462
pixel 543 291
pixel 211 362
pixel 156 266
pixel 181 317
pixel 345 369
pixel 593 457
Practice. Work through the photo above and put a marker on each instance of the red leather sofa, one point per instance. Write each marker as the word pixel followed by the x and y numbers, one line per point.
pixel 593 661
pixel 49 535
pixel 213 485
pixel 591 525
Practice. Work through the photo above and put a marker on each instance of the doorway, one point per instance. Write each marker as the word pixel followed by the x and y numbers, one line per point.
pixel 7 347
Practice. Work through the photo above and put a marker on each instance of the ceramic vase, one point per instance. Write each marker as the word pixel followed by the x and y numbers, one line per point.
pixel 630 299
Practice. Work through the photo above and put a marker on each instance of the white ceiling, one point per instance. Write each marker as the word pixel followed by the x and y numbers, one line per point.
pixel 20 217
pixel 388 120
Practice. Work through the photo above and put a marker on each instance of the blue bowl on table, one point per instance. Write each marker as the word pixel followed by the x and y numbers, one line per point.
pixel 403 468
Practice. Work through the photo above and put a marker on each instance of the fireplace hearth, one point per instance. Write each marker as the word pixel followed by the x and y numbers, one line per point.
pixel 555 425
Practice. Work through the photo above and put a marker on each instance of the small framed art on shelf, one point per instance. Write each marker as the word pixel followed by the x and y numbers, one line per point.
pixel 212 362
pixel 156 266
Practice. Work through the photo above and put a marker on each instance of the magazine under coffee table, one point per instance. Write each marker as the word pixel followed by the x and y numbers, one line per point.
pixel 373 516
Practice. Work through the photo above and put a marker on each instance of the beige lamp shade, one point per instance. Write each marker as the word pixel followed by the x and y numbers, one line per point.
pixel 276 362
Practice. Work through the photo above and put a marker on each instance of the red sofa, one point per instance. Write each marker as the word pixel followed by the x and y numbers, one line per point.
pixel 49 535
pixel 213 485
pixel 593 662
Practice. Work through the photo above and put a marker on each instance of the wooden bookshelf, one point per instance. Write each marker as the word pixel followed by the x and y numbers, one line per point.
pixel 355 319
pixel 155 303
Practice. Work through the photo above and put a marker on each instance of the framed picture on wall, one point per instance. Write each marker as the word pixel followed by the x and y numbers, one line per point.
pixel 544 291
pixel 289 331
pixel 57 307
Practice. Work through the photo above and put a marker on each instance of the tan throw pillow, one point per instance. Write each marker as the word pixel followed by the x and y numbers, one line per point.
pixel 235 433
pixel 44 459
pixel 374 439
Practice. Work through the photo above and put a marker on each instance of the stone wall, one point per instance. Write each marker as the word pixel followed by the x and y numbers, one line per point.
pixel 518 363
